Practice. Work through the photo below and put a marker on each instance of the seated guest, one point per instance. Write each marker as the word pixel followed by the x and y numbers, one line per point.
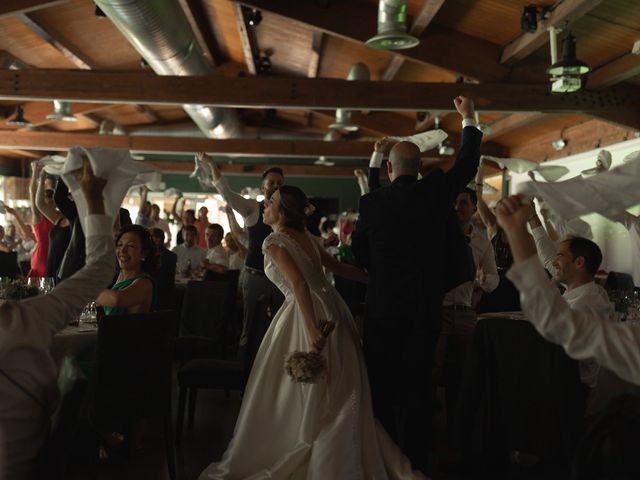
pixel 583 333
pixel 190 255
pixel 4 245
pixel 28 388
pixel 167 260
pixel 133 291
pixel 573 263
pixel 217 259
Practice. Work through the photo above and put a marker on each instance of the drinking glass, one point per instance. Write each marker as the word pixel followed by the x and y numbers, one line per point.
pixel 46 284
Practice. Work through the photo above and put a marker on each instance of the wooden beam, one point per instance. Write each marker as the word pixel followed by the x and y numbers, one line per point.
pixel 356 21
pixel 146 110
pixel 614 72
pixel 428 11
pixel 243 32
pixel 197 18
pixel 315 55
pixel 249 169
pixel 565 13
pixel 620 103
pixel 15 7
pixel 8 61
pixel 393 68
pixel 512 122
pixel 72 54
pixel 152 144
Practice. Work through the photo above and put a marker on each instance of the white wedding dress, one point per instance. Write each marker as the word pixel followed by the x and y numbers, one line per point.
pixel 324 431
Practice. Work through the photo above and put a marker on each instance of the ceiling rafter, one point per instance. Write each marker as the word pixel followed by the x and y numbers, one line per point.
pixel 315 54
pixel 471 56
pixel 71 53
pixel 619 70
pixel 566 12
pixel 197 18
pixel 511 122
pixel 618 104
pixel 15 7
pixel 245 40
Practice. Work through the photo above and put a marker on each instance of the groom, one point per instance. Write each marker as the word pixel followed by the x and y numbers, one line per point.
pixel 405 240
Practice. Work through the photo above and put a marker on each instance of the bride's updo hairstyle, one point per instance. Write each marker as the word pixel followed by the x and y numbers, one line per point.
pixel 294 207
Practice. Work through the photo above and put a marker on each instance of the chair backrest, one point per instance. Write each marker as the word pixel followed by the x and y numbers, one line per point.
pixel 9 266
pixel 524 391
pixel 204 309
pixel 619 281
pixel 256 330
pixel 132 377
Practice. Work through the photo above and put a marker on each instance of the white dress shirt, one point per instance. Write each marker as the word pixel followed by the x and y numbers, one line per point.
pixel 186 255
pixel 582 332
pixel 26 331
pixel 247 207
pixel 218 256
pixel 236 262
pixel 163 225
pixel 483 256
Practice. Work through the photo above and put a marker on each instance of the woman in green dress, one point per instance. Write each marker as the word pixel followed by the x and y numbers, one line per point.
pixel 133 291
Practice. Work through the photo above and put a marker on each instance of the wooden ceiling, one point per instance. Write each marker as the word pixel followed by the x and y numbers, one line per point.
pixel 476 43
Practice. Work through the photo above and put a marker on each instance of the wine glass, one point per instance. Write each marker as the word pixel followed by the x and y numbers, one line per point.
pixel 46 284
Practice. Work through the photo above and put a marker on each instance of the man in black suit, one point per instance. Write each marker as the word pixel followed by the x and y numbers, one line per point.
pixel 404 238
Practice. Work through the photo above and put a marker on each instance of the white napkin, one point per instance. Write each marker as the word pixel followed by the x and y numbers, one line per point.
pixel 3 210
pixel 604 157
pixel 172 192
pixel 115 166
pixel 632 156
pixel 52 164
pixel 425 140
pixel 486 188
pixel 203 173
pixel 550 173
pixel 608 193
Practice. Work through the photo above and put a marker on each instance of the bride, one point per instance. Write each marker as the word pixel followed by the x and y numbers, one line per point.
pixel 326 430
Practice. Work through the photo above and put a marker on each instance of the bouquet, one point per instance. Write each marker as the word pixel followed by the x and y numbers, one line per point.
pixel 308 367
pixel 16 289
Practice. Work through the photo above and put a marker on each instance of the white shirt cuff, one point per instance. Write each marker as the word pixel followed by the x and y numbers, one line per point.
pixel 97 225
pixel 527 275
pixel 469 122
pixel 376 160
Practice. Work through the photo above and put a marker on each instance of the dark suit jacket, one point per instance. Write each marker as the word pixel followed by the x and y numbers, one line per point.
pixel 403 233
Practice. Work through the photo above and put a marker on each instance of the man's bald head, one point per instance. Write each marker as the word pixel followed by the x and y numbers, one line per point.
pixel 404 159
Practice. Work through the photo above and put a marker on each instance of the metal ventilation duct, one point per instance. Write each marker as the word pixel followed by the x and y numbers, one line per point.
pixel 160 32
pixel 392 27
pixel 358 71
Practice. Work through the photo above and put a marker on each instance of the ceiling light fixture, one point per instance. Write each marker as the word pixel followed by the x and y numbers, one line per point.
pixel 559 144
pixel 392 27
pixel 62 112
pixel 358 71
pixel 19 120
pixel 566 74
pixel 255 18
pixel 529 19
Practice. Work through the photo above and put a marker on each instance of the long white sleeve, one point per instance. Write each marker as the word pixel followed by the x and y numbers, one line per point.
pixel 582 334
pixel 547 250
pixel 247 207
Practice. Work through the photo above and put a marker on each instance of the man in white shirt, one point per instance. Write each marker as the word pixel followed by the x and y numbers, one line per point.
pixel 190 255
pixel 217 259
pixel 573 263
pixel 458 317
pixel 583 334
pixel 160 223
pixel 28 373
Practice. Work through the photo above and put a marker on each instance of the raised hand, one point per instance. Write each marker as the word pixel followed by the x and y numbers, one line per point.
pixel 203 157
pixel 91 186
pixel 464 106
pixel 513 213
pixel 381 145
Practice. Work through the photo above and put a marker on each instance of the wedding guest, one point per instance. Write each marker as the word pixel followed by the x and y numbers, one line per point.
pixel 74 255
pixel 574 263
pixel 144 213
pixel 216 259
pixel 239 233
pixel 236 251
pixel 201 224
pixel 182 216
pixel 160 223
pixel 167 260
pixel 190 255
pixel 40 223
pixel 10 238
pixel 28 376
pixel 407 285
pixel 254 282
pixel 133 291
pixel 5 246
pixel 27 241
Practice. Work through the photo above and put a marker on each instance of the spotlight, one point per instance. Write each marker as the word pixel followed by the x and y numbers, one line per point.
pixel 566 74
pixel 255 18
pixel 19 120
pixel 529 19
pixel 559 144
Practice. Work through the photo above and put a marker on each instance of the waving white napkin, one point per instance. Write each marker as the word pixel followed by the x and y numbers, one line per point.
pixel 115 166
pixel 425 140
pixel 172 192
pixel 52 164
pixel 550 173
pixel 608 193
pixel 603 163
pixel 203 173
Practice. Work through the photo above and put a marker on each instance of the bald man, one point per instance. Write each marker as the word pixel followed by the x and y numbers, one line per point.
pixel 406 239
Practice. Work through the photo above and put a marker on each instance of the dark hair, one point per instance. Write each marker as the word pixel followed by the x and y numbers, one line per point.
pixel 277 170
pixel 150 262
pixel 216 227
pixel 190 228
pixel 473 196
pixel 590 251
pixel 293 203
pixel 48 194
pixel 157 233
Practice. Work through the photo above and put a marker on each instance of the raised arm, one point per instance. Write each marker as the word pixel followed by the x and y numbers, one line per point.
pixel 466 164
pixel 174 210
pixel 342 269
pixel 546 248
pixel 301 291
pixel 247 207
pixel 486 215
pixel 48 209
pixel 36 216
pixel 63 202
pixel 25 231
pixel 236 230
